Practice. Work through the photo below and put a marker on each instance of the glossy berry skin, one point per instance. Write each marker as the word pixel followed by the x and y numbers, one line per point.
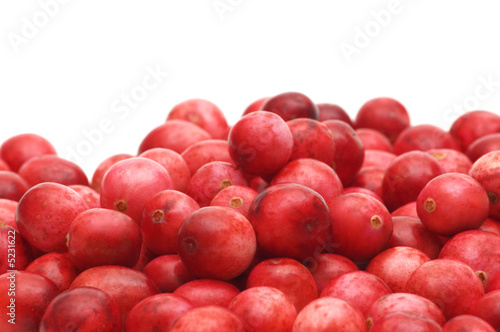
pixel 50 168
pixel 103 167
pixel 216 243
pixel 452 285
pixel 473 125
pixel 376 158
pixel 238 198
pixel 333 112
pixel 404 321
pixel 98 237
pixel 483 145
pixel 175 135
pixel 291 105
pixel 212 178
pixel 326 266
pixel 12 186
pixel 452 161
pixel 478 249
pixel 349 150
pixel 203 152
pixel 287 275
pixel 486 170
pixel 312 139
pixel 329 314
pixel 264 309
pixel 162 216
pixel 290 211
pixel 452 203
pixel 260 143
pixel 407 210
pixel 19 148
pixel 386 115
pixel 203 292
pixel 15 252
pixel 374 140
pixel 406 176
pixel 488 309
pixel 156 312
pixel 467 322
pixel 395 266
pixel 359 288
pixel 73 308
pixel 208 319
pixel 168 272
pixel 361 226
pixel 89 195
pixel 423 138
pixel 8 212
pixel 130 183
pixel 202 113
pixel 313 174
pixel 33 294
pixel 56 267
pixel 255 106
pixel 370 178
pixel 44 215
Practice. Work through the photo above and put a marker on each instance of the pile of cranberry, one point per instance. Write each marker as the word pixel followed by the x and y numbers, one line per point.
pixel 296 218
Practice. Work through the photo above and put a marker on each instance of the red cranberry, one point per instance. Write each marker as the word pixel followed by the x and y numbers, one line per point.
pixel 493 282
pixel 4 166
pixel 313 174
pixel 452 161
pixel 361 226
pixel 15 251
pixel 202 113
pixel 333 112
pixel 203 292
pixel 404 321
pixel 12 186
pixel 56 267
pixel 255 106
pixel 103 167
pixel 18 149
pixel 406 176
pixel 89 195
pixel 467 323
pixel 385 115
pixel 287 275
pixel 485 170
pixel 260 143
pixel 374 140
pixel 203 152
pixel 175 135
pixel 452 203
pixel 491 225
pixel 51 168
pixel 361 190
pixel 168 273
pixel 473 125
pixel 238 198
pixel 291 105
pixel 488 309
pixel 409 210
pixel 483 145
pixel 451 284
pixel 370 178
pixel 290 211
pixel 379 159
pixel 328 266
pixel 44 215
pixel 424 137
pixel 209 319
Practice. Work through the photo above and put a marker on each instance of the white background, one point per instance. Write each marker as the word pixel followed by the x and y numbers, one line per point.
pixel 63 78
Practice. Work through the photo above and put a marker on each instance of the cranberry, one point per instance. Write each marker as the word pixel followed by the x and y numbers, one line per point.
pixel 452 203
pixel 168 273
pixel 89 195
pixel 467 323
pixel 51 168
pixel 103 167
pixel 329 314
pixel 395 266
pixel 12 186
pixel 406 176
pixel 260 143
pixel 359 288
pixel 162 216
pixel 424 137
pixel 410 232
pixel 287 275
pixel 130 183
pixel 15 252
pixel 291 105
pixel 238 198
pixel 312 139
pixel 404 321
pixel 370 178
pixel 72 310
pixel 485 170
pixel 488 309
pixel 478 249
pixel 313 174
pixel 156 312
pixel 349 150
pixel 483 145
pixel 203 292
pixel 209 319
pixel 264 309
pixel 173 163
pixel 361 190
pixel 203 152
pixel 333 112
pixel 56 267
pixel 17 149
pixel 493 282
pixel 379 159
pixel 44 215
pixel 255 106
pixel 491 225
pixel 216 242
pixel 327 266
pixel 212 178
pixel 451 284
pixel 374 140
pixel 4 166
pixel 452 161
pixel 404 302
pixel 202 113
pixel 408 210
pixel 290 211
pixel 473 125
pixel 361 226
pixel 386 115
pixel 33 293
pixel 175 135
pixel 98 237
